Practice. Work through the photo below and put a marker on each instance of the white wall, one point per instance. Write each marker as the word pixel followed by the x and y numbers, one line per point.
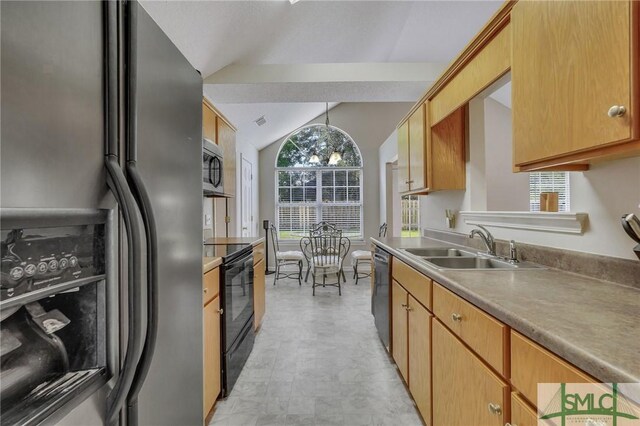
pixel 506 191
pixel 387 153
pixel 608 190
pixel 369 124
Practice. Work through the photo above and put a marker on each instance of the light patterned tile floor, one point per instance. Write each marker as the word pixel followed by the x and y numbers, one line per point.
pixel 317 361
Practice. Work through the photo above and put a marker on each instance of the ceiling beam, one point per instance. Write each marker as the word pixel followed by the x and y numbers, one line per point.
pixel 327 73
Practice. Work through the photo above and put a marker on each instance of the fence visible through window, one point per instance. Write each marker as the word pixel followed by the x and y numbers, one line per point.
pixel 410 214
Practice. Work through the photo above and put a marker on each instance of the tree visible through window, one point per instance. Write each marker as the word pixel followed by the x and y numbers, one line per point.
pixel 311 190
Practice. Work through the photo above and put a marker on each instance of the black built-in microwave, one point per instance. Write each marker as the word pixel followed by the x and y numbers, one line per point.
pixel 211 169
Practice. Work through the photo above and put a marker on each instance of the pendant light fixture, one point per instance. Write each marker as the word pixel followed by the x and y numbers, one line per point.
pixel 314 159
pixel 335 156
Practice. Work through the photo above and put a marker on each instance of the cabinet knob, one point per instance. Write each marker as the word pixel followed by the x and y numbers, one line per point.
pixel 510 424
pixel 495 409
pixel 617 111
pixel 221 311
pixel 456 317
pixel 205 291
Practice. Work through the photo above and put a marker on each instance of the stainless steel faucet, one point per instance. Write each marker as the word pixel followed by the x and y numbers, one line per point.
pixel 486 237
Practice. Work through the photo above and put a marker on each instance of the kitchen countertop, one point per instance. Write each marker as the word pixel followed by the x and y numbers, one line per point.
pixel 208 263
pixel 593 324
pixel 235 240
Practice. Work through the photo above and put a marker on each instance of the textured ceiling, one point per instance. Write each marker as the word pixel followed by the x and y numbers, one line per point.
pixel 215 34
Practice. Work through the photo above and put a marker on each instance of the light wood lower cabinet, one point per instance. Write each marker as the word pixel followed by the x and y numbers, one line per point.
pixel 419 320
pixel 258 294
pixel 465 391
pixel 212 377
pixel 400 326
pixel 521 413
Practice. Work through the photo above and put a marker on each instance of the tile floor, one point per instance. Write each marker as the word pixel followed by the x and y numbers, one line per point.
pixel 317 361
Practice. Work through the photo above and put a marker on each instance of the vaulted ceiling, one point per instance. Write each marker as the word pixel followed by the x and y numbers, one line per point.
pixel 285 60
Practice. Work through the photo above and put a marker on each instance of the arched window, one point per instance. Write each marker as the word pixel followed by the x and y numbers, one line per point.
pixel 318 178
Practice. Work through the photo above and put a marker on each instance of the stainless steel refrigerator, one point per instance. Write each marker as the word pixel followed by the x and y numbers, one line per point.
pixel 80 80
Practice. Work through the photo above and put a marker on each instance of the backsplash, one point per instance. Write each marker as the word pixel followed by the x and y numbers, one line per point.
pixel 614 269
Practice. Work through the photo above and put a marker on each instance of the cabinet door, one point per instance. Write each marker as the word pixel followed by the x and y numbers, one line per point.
pixel 571 61
pixel 400 329
pixel 417 161
pixel 403 157
pixel 521 413
pixel 208 123
pixel 420 357
pixel 258 293
pixel 227 141
pixel 463 387
pixel 211 354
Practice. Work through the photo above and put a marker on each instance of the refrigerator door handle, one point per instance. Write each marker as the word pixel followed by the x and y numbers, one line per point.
pixel 118 184
pixel 146 211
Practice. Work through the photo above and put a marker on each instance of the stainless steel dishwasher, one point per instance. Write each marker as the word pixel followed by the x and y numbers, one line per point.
pixel 380 297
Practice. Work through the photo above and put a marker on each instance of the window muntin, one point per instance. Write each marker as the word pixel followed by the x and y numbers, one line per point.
pixel 307 193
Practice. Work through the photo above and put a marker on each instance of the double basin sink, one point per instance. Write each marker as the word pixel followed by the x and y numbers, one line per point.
pixel 454 258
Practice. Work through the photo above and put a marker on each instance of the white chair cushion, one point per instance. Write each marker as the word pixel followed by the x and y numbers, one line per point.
pixel 289 255
pixel 361 255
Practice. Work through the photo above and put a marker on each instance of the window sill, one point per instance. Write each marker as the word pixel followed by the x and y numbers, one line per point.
pixel 555 222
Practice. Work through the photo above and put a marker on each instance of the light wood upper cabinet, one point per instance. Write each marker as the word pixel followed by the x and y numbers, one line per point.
pixel 403 157
pixel 227 141
pixel 446 152
pixel 417 142
pixel 400 327
pixel 465 391
pixel 420 357
pixel 432 158
pixel 208 123
pixel 571 62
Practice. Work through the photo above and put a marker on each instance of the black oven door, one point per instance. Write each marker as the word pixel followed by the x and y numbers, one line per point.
pixel 238 296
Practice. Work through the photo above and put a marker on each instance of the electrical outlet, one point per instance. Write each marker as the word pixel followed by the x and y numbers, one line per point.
pixel 207 220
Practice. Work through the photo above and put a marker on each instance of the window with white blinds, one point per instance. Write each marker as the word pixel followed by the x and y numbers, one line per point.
pixel 306 197
pixel 549 182
pixel 318 178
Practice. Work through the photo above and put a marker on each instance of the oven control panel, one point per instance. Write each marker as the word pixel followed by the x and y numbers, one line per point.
pixel 33 259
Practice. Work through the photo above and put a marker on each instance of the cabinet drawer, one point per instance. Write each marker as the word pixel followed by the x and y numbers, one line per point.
pixel 211 285
pixel 487 336
pixel 258 253
pixel 413 281
pixel 521 413
pixel 531 364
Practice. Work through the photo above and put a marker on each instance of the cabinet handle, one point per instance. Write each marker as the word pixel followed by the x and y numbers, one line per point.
pixel 510 424
pixel 456 317
pixel 221 311
pixel 409 308
pixel 617 111
pixel 205 291
pixel 410 181
pixel 404 306
pixel 495 408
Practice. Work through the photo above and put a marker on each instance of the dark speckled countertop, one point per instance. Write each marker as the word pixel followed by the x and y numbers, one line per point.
pixel 593 324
